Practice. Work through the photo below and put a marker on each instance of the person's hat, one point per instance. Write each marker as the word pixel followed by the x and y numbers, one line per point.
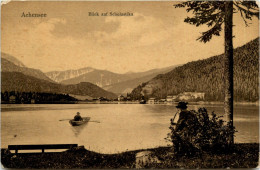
pixel 182 105
pixel 78 113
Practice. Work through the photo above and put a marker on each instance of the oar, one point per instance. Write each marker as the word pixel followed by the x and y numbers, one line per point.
pixel 64 119
pixel 88 121
pixel 94 121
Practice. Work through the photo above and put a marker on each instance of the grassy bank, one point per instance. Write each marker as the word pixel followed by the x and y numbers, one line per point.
pixel 242 156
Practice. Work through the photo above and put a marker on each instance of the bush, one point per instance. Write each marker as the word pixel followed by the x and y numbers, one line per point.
pixel 204 133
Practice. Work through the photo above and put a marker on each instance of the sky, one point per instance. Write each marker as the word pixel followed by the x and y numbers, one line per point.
pixel 68 38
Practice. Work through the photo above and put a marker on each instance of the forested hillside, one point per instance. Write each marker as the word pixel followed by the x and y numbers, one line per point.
pixel 207 76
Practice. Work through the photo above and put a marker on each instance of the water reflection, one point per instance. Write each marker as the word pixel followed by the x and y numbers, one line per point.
pixel 78 129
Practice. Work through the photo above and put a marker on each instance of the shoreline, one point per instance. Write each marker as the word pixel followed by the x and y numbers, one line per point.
pixel 137 102
pixel 244 155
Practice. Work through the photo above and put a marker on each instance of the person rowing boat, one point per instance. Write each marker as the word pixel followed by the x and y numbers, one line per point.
pixel 78 120
pixel 78 117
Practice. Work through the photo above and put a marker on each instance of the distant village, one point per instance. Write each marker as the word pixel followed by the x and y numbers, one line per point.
pixel 185 96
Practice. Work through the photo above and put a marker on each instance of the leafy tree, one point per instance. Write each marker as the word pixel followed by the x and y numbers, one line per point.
pixel 214 14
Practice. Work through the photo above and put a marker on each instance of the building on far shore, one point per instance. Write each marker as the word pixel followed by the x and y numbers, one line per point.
pixel 162 100
pixel 151 101
pixel 32 101
pixel 12 99
pixel 169 99
pixel 121 98
pixel 174 97
pixel 191 96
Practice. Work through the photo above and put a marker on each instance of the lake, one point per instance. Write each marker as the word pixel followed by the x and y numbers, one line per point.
pixel 122 126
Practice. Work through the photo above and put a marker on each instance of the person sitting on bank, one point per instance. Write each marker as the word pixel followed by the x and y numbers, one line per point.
pixel 78 117
pixel 186 118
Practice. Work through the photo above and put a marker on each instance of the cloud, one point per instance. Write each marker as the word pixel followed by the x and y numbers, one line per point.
pixel 36 46
pixel 148 41
pixel 45 28
pixel 143 30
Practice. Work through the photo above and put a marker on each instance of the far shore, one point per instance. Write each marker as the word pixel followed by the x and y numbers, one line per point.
pixel 137 102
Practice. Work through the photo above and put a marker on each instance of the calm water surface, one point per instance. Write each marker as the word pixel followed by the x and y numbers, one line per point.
pixel 122 126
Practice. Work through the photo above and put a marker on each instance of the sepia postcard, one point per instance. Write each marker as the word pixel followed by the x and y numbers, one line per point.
pixel 129 84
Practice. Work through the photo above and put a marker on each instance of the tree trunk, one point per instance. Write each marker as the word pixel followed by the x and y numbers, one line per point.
pixel 228 67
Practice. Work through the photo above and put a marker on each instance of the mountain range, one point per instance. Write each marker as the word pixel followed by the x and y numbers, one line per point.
pixel 15 76
pixel 109 81
pixel 8 66
pixel 207 76
pixel 59 76
pixel 12 59
pixel 113 82
pixel 127 86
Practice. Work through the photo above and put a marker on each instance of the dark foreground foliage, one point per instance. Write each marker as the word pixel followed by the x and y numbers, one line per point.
pixel 242 156
pixel 201 132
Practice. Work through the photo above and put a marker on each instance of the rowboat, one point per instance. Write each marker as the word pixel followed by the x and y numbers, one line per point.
pixel 81 122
